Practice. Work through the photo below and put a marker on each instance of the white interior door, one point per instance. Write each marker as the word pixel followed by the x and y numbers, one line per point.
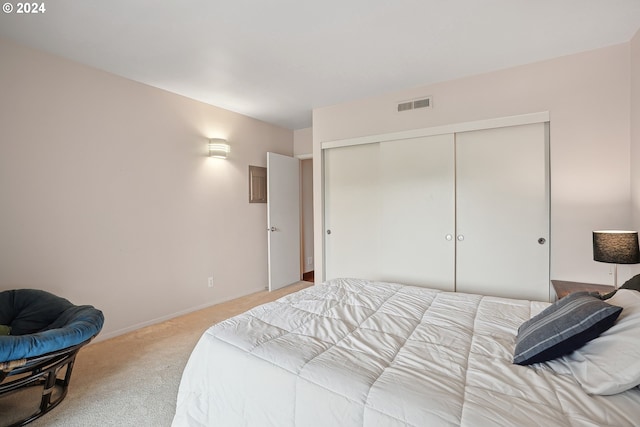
pixel 417 205
pixel 503 212
pixel 283 220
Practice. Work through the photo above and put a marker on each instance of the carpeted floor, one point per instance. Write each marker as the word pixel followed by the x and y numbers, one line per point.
pixel 133 379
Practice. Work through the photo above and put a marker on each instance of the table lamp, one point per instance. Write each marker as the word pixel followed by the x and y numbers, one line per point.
pixel 616 247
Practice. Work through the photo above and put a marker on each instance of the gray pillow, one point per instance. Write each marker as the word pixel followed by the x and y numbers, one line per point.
pixel 564 326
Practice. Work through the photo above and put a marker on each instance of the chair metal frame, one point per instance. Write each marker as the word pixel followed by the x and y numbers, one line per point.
pixel 42 371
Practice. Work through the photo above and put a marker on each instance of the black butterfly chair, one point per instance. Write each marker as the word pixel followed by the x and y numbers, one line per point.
pixel 40 334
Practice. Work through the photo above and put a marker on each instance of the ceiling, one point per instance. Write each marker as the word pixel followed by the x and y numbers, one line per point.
pixel 276 60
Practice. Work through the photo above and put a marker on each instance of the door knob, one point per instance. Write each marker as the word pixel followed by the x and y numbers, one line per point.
pixel 448 237
pixel 542 240
pixel 271 229
pixel 460 237
pixel 328 231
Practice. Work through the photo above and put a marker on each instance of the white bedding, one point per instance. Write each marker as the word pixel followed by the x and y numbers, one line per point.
pixel 359 353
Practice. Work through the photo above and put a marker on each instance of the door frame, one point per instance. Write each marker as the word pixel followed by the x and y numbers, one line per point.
pixel 303 255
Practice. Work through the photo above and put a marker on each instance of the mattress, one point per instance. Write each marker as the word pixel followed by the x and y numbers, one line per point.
pixel 360 353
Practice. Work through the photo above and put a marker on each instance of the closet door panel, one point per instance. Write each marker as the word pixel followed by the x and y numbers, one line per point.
pixel 417 211
pixel 351 191
pixel 502 211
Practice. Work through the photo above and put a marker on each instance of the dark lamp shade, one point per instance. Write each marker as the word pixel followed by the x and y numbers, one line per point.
pixel 616 247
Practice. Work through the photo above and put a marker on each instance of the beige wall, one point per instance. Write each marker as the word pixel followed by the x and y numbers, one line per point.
pixel 635 130
pixel 303 142
pixel 108 196
pixel 587 96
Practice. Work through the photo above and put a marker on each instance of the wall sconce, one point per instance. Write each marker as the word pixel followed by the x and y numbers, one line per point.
pixel 616 247
pixel 219 148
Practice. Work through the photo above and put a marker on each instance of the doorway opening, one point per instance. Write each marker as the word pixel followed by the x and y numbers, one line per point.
pixel 306 216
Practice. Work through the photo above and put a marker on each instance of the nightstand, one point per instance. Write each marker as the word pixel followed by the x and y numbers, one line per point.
pixel 564 288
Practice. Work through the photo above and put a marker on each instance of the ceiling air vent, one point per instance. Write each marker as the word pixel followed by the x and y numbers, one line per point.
pixel 405 106
pixel 414 104
pixel 422 103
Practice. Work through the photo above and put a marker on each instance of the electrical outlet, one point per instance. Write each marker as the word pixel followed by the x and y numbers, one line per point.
pixel 210 281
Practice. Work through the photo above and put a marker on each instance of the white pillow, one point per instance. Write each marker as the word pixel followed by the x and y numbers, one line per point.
pixel 610 363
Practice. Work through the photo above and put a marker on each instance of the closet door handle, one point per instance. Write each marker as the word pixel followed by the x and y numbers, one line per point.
pixel 460 237
pixel 448 237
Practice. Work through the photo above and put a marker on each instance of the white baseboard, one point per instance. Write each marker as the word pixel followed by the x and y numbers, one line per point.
pixel 103 337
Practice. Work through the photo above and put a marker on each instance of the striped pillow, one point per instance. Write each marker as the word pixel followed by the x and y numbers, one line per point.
pixel 564 326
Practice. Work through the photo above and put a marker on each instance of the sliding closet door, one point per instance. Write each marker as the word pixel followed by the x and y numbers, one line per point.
pixel 417 211
pixel 351 211
pixel 503 212
pixel 390 211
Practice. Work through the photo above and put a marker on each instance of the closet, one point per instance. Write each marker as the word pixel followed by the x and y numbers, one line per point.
pixel 464 211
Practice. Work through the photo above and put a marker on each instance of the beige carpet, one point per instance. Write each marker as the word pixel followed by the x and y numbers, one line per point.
pixel 133 379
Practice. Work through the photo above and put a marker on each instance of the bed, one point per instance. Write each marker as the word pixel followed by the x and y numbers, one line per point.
pixel 354 352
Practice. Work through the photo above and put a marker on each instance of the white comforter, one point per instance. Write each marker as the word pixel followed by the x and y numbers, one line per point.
pixel 360 353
